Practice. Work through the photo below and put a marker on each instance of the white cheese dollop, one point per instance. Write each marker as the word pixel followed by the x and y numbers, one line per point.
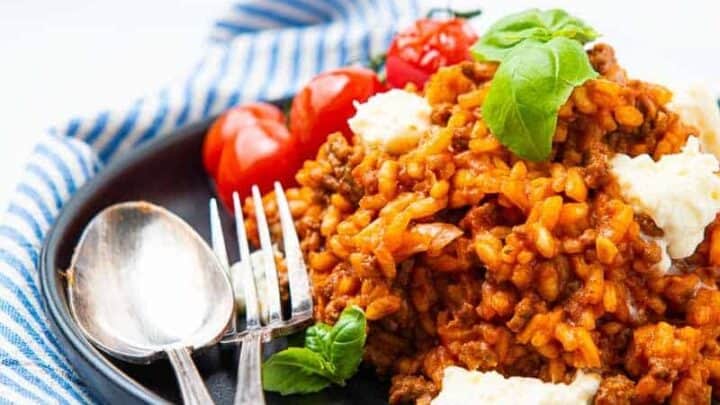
pixel 394 120
pixel 461 386
pixel 697 107
pixel 680 192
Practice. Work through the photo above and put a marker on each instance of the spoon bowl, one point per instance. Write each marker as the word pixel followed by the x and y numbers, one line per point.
pixel 142 283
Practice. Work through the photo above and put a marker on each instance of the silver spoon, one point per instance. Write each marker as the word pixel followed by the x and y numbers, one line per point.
pixel 143 284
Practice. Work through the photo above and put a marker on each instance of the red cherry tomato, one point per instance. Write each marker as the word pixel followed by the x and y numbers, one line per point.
pixel 227 125
pixel 260 154
pixel 325 104
pixel 423 48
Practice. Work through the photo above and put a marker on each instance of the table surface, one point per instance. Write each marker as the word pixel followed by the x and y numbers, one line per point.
pixel 77 56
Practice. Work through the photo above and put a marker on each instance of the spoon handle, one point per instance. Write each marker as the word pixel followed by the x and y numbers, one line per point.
pixel 249 383
pixel 191 384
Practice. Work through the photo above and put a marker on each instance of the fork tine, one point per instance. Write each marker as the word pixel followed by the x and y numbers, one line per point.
pixel 252 314
pixel 216 236
pixel 249 380
pixel 217 240
pixel 271 278
pixel 300 300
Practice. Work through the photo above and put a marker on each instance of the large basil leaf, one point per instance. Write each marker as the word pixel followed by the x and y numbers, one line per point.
pixel 296 371
pixel 562 24
pixel 528 89
pixel 345 342
pixel 533 24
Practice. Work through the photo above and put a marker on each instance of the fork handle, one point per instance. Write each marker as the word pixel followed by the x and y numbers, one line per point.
pixel 192 387
pixel 249 383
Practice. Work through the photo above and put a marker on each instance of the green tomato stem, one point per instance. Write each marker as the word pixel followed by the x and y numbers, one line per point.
pixel 447 11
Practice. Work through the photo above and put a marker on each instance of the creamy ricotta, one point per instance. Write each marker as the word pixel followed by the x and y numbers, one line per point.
pixel 680 192
pixel 461 386
pixel 697 107
pixel 394 120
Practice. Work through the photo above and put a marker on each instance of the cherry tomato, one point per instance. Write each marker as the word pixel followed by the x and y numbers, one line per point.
pixel 227 125
pixel 260 154
pixel 420 50
pixel 325 104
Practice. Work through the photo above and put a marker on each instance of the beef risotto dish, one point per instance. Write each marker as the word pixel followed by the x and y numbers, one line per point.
pixel 484 252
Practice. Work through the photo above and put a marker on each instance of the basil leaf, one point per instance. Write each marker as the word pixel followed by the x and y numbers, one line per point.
pixel 345 342
pixel 533 24
pixel 331 355
pixel 528 89
pixel 296 371
pixel 562 24
pixel 315 337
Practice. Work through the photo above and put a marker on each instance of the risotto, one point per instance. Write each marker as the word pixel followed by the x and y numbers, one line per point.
pixel 462 254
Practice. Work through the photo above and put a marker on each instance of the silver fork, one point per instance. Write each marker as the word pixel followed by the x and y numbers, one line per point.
pixel 249 382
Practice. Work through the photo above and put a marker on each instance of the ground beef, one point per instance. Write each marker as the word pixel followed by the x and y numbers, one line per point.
pixel 406 388
pixel 615 390
pixel 648 227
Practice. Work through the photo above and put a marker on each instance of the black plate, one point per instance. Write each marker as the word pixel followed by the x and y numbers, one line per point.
pixel 167 171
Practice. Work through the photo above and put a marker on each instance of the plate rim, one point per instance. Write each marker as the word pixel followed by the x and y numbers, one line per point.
pixel 61 321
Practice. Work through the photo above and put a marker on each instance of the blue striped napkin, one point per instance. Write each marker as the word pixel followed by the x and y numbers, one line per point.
pixel 259 50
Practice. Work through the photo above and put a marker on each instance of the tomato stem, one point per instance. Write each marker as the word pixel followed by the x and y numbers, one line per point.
pixel 377 62
pixel 286 106
pixel 447 11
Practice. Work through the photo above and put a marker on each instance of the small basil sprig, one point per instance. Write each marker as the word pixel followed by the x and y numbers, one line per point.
pixel 541 61
pixel 331 354
pixel 535 24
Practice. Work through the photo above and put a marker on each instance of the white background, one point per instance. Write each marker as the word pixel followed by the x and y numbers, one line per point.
pixel 67 57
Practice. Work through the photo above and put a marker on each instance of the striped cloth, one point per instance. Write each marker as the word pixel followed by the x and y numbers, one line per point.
pixel 259 50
